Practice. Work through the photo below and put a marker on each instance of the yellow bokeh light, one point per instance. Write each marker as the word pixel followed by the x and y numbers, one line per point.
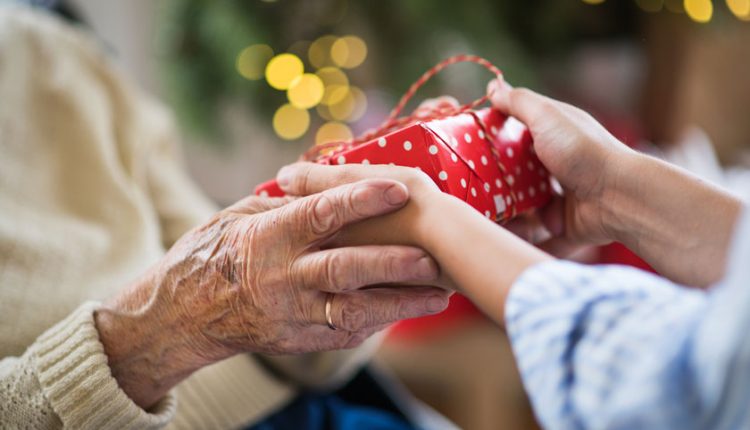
pixel 305 91
pixel 699 10
pixel 290 122
pixel 740 8
pixel 352 104
pixel 251 61
pixel 319 52
pixel 333 79
pixel 593 1
pixel 332 132
pixel 349 52
pixel 282 70
pixel 324 112
pixel 650 5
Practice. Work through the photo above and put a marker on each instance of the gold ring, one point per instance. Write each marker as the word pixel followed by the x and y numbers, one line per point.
pixel 329 321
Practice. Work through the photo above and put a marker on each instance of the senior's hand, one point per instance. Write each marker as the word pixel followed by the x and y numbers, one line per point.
pixel 413 225
pixel 255 278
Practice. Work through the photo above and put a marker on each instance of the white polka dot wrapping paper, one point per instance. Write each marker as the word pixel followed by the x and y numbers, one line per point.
pixel 482 157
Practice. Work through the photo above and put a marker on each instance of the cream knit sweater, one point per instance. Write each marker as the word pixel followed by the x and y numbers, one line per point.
pixel 91 193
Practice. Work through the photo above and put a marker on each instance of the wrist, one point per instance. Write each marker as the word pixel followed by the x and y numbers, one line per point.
pixel 482 258
pixel 147 347
pixel 668 216
pixel 620 195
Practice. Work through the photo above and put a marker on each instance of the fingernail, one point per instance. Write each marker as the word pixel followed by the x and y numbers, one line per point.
pixel 493 86
pixel 395 195
pixel 426 268
pixel 498 89
pixel 436 304
pixel 284 177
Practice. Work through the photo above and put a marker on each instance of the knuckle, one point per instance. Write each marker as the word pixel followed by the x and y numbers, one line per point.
pixel 332 275
pixel 302 179
pixel 322 216
pixel 394 263
pixel 354 196
pixel 398 310
pixel 354 315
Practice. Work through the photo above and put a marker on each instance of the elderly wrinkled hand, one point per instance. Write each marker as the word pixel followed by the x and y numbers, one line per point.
pixel 257 278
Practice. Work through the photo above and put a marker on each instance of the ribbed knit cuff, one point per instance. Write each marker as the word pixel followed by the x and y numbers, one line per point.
pixel 72 369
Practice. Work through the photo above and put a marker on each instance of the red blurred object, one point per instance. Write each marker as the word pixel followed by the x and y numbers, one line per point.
pixel 460 309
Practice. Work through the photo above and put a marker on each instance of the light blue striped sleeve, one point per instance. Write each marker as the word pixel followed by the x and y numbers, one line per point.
pixel 617 348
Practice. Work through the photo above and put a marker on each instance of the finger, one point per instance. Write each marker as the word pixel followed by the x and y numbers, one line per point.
pixel 344 269
pixel 254 204
pixel 522 103
pixel 552 215
pixel 560 246
pixel 328 340
pixel 303 179
pixel 359 310
pixel 320 215
pixel 529 227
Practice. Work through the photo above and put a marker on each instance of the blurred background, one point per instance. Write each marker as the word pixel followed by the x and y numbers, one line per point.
pixel 254 83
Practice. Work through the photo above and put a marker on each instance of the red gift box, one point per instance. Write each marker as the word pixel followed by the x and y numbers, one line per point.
pixel 482 157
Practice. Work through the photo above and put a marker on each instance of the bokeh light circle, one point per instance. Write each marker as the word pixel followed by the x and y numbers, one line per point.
pixel 319 52
pixel 251 61
pixel 283 69
pixel 352 104
pixel 305 91
pixel 740 8
pixel 290 122
pixel 333 78
pixel 349 52
pixel 333 132
pixel 699 10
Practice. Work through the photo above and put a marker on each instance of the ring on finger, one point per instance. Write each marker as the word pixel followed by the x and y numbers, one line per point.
pixel 329 320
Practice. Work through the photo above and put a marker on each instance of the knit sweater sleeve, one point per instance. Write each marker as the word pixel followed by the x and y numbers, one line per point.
pixel 63 380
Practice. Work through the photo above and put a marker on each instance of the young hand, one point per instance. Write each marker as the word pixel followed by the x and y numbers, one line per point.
pixel 676 222
pixel 583 156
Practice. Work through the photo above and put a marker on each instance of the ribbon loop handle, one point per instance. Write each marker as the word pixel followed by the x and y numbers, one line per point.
pixel 394 121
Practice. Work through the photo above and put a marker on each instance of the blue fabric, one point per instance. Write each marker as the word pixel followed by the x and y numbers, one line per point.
pixel 331 412
pixel 617 348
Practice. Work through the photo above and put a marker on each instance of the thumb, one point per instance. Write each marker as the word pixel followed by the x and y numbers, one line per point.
pixel 522 103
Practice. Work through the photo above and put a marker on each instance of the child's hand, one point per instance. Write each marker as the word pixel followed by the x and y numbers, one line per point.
pixel 584 157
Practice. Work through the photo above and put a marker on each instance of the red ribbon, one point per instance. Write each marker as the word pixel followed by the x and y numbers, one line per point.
pixel 394 122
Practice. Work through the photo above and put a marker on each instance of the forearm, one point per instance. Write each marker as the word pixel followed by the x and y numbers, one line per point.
pixel 678 223
pixel 481 257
